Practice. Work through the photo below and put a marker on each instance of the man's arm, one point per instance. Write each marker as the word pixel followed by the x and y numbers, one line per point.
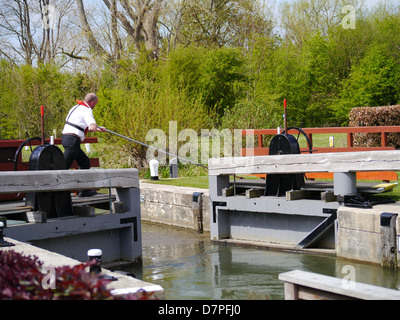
pixel 95 128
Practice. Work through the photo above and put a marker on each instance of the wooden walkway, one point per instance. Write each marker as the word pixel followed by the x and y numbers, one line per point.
pixel 301 163
pixel 62 180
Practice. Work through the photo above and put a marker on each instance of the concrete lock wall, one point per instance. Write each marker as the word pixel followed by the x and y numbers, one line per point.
pixel 370 235
pixel 178 206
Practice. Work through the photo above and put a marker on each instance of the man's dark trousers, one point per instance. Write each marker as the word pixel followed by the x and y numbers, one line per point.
pixel 73 151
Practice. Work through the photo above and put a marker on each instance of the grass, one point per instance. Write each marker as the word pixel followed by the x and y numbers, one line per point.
pixel 193 182
pixel 392 195
pixel 322 140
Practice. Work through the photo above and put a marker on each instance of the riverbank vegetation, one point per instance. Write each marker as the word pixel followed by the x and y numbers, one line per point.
pixel 204 64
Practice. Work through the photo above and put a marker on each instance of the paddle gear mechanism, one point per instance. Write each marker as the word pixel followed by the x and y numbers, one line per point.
pixel 284 143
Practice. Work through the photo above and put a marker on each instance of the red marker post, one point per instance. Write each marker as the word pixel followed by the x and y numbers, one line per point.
pixel 285 105
pixel 42 117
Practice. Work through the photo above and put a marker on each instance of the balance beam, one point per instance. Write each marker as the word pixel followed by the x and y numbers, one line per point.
pixel 63 180
pixel 343 162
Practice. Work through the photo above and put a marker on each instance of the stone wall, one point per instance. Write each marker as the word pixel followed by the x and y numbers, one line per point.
pixel 177 206
pixel 369 235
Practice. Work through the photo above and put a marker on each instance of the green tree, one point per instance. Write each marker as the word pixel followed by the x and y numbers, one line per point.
pixel 373 82
pixel 216 75
pixel 223 80
pixel 184 67
pixel 152 101
pixel 26 88
pixel 260 106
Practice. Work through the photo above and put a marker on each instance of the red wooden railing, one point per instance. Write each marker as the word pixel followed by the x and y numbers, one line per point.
pixel 8 148
pixel 262 150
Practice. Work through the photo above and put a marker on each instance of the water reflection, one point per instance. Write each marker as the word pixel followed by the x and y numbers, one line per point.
pixel 189 266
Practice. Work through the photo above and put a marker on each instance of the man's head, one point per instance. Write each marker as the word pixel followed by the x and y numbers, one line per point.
pixel 91 99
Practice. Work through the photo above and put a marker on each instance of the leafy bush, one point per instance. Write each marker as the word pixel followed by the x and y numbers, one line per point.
pixel 253 114
pixel 373 82
pixel 25 88
pixel 151 105
pixel 216 76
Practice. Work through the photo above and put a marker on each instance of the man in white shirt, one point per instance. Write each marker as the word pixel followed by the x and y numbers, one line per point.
pixel 80 120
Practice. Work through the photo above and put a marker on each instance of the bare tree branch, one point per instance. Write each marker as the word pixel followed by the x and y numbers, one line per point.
pixel 34 29
pixel 73 55
pixel 95 45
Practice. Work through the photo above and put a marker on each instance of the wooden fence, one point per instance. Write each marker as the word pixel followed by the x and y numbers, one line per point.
pixel 8 150
pixel 262 150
